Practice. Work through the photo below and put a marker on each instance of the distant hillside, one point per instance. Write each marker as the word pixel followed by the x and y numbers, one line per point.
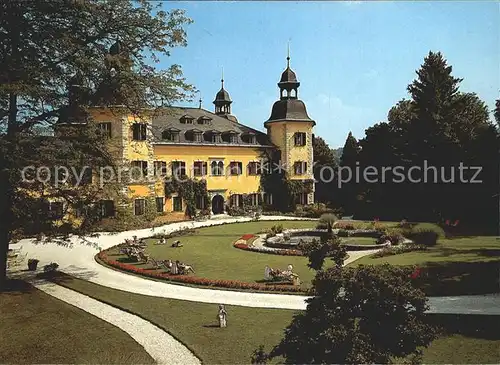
pixel 337 152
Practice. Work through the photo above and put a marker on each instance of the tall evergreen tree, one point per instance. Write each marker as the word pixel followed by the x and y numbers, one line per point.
pixel 324 171
pixel 49 44
pixel 443 128
pixel 349 162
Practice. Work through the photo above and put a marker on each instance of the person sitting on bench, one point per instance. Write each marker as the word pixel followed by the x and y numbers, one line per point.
pixel 177 244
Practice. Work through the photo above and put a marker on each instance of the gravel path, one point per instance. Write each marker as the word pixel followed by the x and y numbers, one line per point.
pixel 79 262
pixel 161 346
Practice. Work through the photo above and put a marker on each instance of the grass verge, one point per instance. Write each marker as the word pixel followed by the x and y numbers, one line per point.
pixel 464 338
pixel 38 329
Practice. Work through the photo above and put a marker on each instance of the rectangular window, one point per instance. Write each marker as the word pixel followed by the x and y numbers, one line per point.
pixel 233 138
pixel 199 168
pixel 254 199
pixel 160 203
pixel 105 129
pixel 235 168
pixel 254 168
pixel 301 198
pixel 236 200
pixel 139 131
pixel 178 168
pixel 160 168
pixel 107 208
pixel 55 210
pixel 139 207
pixel 80 210
pixel 300 139
pixel 177 202
pixel 300 167
pixel 198 137
pixel 200 202
pixel 139 169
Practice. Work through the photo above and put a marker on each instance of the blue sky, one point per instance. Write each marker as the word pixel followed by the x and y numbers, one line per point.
pixel 354 60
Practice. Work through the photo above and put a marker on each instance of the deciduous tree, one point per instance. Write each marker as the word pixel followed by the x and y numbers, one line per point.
pixel 59 58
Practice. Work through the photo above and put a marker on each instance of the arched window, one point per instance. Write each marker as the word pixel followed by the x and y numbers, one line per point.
pixel 217 168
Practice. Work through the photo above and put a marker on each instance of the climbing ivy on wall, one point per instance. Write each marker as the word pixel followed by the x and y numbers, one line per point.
pixel 189 190
pixel 283 189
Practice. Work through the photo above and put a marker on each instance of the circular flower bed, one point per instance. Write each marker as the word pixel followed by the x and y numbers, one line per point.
pixel 186 279
pixel 243 243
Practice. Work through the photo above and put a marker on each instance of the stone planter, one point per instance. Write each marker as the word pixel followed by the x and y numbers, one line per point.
pixel 32 264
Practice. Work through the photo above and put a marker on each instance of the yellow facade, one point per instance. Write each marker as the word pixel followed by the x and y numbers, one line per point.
pixel 288 118
pixel 282 134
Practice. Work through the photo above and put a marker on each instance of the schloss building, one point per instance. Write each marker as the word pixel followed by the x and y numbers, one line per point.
pixel 197 143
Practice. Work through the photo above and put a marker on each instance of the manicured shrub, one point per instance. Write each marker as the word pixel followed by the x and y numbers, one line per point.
pixel 277 228
pixel 321 225
pixel 50 267
pixel 343 233
pixel 396 250
pixel 328 218
pixel 428 227
pixel 393 236
pixel 345 225
pixel 426 234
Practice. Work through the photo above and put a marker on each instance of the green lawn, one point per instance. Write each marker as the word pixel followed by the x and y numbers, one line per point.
pixel 469 249
pixel 453 267
pixel 359 240
pixel 457 266
pixel 210 251
pixel 36 328
pixel 194 324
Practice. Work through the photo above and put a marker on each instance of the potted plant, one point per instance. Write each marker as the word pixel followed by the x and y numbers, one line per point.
pixel 32 264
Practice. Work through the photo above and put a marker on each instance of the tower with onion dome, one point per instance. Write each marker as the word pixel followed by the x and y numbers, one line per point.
pixel 291 129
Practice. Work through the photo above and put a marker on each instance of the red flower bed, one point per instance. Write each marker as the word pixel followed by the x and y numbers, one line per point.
pixel 246 237
pixel 233 284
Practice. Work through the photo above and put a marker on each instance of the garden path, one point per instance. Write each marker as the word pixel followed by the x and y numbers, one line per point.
pixel 160 345
pixel 77 259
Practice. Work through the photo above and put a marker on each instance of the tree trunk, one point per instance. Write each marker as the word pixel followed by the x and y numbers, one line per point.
pixel 4 246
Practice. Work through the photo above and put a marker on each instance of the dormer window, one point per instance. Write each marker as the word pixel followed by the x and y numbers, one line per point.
pixel 170 135
pixel 186 119
pixel 216 138
pixel 230 137
pixel 213 136
pixel 204 120
pixel 194 135
pixel 249 138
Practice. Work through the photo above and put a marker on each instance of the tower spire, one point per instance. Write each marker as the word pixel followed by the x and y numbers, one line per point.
pixel 288 55
pixel 222 100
